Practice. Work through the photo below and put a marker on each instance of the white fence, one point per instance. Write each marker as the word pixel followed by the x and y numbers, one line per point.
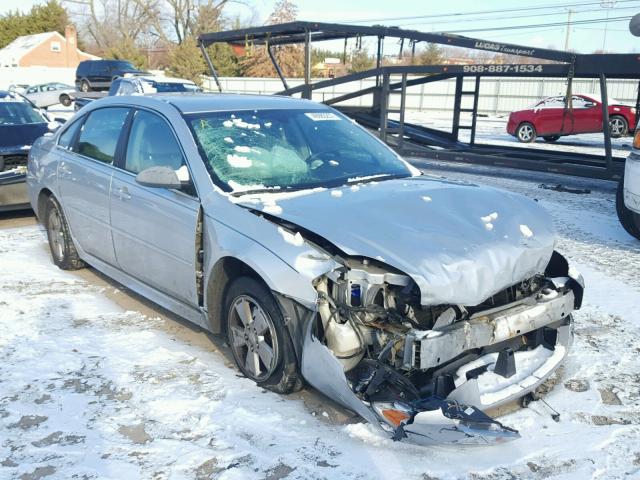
pixel 498 95
pixel 34 75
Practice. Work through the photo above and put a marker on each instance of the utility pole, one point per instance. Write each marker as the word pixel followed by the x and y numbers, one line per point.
pixel 608 5
pixel 566 38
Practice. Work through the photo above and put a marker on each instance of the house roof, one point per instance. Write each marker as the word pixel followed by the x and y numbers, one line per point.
pixel 12 53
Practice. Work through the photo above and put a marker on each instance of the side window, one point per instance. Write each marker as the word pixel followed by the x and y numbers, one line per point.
pixel 67 137
pixel 581 102
pixel 100 133
pixel 152 144
pixel 31 90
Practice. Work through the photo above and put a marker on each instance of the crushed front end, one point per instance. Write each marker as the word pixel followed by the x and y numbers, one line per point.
pixel 13 169
pixel 427 373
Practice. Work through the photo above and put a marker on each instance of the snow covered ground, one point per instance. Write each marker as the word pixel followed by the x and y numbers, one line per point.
pixel 95 383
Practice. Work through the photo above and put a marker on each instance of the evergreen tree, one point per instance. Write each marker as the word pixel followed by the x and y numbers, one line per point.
pixel 185 61
pixel 49 17
pixel 432 55
pixel 127 50
pixel 361 61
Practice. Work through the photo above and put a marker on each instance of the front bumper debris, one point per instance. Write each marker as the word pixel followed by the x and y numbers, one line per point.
pixel 387 399
pixel 431 420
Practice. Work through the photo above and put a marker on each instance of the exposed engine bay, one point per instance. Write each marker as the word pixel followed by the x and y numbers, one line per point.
pixel 404 360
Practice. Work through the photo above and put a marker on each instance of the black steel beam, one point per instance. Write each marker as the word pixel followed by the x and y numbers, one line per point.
pixel 276 65
pixel 294 32
pixel 605 123
pixel 212 69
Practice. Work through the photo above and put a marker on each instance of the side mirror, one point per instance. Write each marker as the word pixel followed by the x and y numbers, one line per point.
pixel 159 177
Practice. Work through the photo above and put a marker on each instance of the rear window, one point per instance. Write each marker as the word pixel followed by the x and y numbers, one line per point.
pixel 83 68
pixel 100 133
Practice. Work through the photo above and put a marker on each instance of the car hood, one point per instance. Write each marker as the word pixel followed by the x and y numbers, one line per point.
pixel 461 243
pixel 17 136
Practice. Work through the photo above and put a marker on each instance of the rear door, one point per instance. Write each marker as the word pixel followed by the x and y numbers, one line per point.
pixel 84 176
pixel 154 229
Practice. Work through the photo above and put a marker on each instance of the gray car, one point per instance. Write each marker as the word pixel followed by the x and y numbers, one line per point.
pixel 319 253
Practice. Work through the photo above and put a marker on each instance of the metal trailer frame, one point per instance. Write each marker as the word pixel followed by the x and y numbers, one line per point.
pixel 432 143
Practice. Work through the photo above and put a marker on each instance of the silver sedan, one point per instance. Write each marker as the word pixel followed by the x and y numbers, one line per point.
pixel 319 253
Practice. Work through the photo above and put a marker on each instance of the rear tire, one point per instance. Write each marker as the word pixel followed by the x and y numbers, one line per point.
pixel 551 138
pixel 63 251
pixel 258 338
pixel 526 133
pixel 618 126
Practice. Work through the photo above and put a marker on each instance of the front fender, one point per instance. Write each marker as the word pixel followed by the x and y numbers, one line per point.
pixel 288 266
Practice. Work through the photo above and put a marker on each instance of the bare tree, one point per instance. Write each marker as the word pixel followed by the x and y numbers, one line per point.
pixel 109 23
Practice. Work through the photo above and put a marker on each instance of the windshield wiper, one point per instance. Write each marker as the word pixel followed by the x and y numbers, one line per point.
pixel 377 178
pixel 338 182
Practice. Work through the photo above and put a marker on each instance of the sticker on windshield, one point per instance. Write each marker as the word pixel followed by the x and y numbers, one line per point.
pixel 322 116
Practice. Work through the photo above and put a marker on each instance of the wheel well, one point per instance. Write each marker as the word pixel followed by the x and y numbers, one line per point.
pixel 225 271
pixel 43 196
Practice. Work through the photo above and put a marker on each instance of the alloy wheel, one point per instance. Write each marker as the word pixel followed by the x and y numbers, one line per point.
pixel 525 133
pixel 617 126
pixel 253 338
pixel 56 234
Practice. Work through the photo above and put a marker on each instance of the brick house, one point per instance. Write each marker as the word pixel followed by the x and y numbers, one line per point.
pixel 48 49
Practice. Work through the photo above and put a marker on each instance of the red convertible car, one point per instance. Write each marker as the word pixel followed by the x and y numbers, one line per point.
pixel 550 120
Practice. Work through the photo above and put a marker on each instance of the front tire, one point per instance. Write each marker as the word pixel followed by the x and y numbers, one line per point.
pixel 526 133
pixel 84 86
pixel 629 219
pixel 618 126
pixel 259 340
pixel 63 251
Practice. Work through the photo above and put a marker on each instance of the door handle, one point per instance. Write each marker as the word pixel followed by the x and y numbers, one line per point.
pixel 123 193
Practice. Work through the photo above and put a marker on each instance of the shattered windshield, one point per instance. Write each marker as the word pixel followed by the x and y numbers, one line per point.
pixel 290 149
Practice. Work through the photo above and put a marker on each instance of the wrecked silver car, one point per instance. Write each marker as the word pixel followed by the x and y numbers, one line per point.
pixel 324 257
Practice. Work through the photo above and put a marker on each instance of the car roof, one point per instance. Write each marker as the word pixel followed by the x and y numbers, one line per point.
pixel 6 96
pixel 211 102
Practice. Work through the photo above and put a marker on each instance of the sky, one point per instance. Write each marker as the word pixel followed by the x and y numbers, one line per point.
pixel 584 38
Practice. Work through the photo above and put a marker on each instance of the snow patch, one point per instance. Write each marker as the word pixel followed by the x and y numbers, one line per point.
pixel 292 239
pixel 490 218
pixel 238 161
pixel 526 231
